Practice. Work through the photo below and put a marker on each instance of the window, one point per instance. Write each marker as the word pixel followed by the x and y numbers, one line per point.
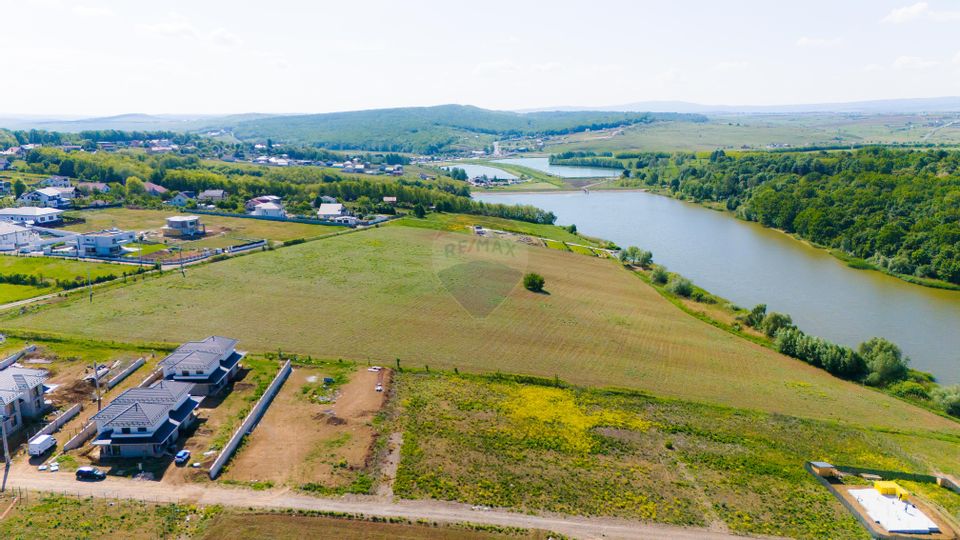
pixel 141 430
pixel 125 430
pixel 199 372
pixel 185 372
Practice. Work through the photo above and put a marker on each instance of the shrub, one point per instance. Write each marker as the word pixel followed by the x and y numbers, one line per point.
pixel 885 362
pixel 534 282
pixel 680 287
pixel 659 275
pixel 948 398
pixel 773 322
pixel 909 389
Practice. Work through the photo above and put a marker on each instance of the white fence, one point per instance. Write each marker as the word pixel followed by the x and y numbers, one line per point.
pixel 251 420
pixel 59 421
pixel 77 441
pixel 151 378
pixel 119 377
pixel 8 361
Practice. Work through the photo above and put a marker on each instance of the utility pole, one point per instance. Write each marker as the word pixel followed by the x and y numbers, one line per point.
pixel 3 433
pixel 182 273
pixel 96 382
pixel 89 284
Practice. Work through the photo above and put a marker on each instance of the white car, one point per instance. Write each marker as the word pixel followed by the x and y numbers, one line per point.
pixel 379 388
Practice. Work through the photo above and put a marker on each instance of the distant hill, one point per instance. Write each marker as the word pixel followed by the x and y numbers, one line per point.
pixel 432 129
pixel 127 122
pixel 883 106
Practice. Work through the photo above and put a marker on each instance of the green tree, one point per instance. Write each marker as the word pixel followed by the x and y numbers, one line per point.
pixel 659 275
pixel 773 322
pixel 135 187
pixel 19 188
pixel 419 211
pixel 948 398
pixel 885 361
pixel 534 282
pixel 680 286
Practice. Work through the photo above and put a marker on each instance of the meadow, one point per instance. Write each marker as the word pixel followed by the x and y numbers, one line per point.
pixel 411 296
pixel 50 271
pixel 463 223
pixel 537 445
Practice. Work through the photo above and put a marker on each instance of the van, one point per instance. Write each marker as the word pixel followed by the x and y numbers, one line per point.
pixel 40 444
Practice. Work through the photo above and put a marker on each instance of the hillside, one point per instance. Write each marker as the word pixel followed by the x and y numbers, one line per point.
pixel 404 293
pixel 432 129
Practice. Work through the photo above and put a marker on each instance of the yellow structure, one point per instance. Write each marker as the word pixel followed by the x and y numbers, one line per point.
pixel 886 487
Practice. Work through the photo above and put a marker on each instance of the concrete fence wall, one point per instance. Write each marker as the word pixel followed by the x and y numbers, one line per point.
pixel 267 218
pixel 151 378
pixel 59 421
pixel 251 420
pixel 119 377
pixel 80 438
pixel 8 361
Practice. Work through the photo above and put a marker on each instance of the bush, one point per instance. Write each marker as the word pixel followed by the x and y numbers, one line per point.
pixel 659 275
pixel 909 389
pixel 885 362
pixel 948 398
pixel 534 282
pixel 773 322
pixel 680 287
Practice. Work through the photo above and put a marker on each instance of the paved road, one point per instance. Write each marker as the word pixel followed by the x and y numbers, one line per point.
pixel 577 527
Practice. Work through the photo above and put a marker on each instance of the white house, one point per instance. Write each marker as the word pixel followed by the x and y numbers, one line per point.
pixel 180 226
pixel 31 214
pixel 329 211
pixel 47 197
pixel 55 181
pixel 21 395
pixel 105 243
pixel 67 192
pixel 145 422
pixel 347 220
pixel 252 203
pixel 208 364
pixel 269 209
pixel 13 237
pixel 324 199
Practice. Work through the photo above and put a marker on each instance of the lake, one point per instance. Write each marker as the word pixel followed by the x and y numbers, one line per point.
pixel 750 264
pixel 563 171
pixel 473 171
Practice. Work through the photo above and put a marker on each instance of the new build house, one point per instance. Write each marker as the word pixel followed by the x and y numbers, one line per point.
pixel 21 395
pixel 31 214
pixel 105 243
pixel 183 226
pixel 47 197
pixel 208 364
pixel 13 237
pixel 145 422
pixel 331 210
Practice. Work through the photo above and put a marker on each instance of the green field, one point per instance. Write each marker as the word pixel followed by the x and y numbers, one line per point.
pixel 140 220
pixel 412 294
pixel 462 223
pixel 51 270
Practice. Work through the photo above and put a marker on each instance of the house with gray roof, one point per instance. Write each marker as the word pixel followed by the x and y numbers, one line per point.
pixel 209 364
pixel 21 395
pixel 145 422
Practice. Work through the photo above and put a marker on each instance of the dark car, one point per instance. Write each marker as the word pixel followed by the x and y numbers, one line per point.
pixel 90 473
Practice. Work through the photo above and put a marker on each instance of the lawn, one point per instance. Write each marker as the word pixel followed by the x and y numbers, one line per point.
pixel 52 270
pixel 497 441
pixel 450 301
pixel 463 223
pixel 140 220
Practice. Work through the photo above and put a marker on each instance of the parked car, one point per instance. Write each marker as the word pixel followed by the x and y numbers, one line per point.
pixel 181 457
pixel 90 473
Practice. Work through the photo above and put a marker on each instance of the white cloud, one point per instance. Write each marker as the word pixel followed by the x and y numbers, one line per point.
pixel 225 38
pixel 728 66
pixel 181 28
pixel 872 68
pixel 920 10
pixel 93 11
pixel 956 58
pixel 669 76
pixel 914 62
pixel 816 42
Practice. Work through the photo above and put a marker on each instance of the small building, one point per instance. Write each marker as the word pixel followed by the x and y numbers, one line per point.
pixel 47 197
pixel 208 364
pixel 326 199
pixel 4 164
pixel 14 237
pixel 390 200
pixel 251 205
pixel 329 211
pixel 145 422
pixel 352 221
pixel 94 187
pixel 269 209
pixel 183 227
pixel 182 198
pixel 824 469
pixel 31 214
pixel 55 181
pixel 212 195
pixel 21 395
pixel 155 189
pixel 67 192
pixel 105 243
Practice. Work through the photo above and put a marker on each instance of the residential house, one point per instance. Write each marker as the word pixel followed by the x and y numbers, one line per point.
pixel 145 422
pixel 31 214
pixel 70 147
pixel 390 200
pixel 252 203
pixel 21 395
pixel 208 364
pixel 329 211
pixel 105 243
pixel 56 181
pixel 13 237
pixel 6 187
pixel 67 193
pixel 269 209
pixel 326 199
pixel 95 187
pixel 154 189
pixel 4 164
pixel 351 221
pixel 182 198
pixel 184 227
pixel 212 195
pixel 47 197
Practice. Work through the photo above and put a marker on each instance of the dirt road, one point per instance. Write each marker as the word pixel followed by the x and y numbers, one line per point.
pixel 576 527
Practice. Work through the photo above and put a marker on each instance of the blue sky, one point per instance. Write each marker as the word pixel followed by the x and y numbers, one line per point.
pixel 98 57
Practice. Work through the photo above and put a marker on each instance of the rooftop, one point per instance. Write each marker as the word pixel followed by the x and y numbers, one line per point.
pixel 15 380
pixel 199 355
pixel 143 407
pixel 29 211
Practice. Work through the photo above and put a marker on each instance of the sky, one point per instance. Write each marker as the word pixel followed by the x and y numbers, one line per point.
pixel 105 57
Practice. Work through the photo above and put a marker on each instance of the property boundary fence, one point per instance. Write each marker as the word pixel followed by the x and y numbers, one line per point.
pixel 8 361
pixel 249 245
pixel 308 221
pixel 59 421
pixel 83 436
pixel 119 377
pixel 251 420
pixel 151 378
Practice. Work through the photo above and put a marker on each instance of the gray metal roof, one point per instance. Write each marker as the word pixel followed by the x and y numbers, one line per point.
pixel 143 407
pixel 16 380
pixel 199 355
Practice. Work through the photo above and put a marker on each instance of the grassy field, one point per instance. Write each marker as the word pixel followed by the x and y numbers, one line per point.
pixel 416 295
pixel 494 441
pixel 463 223
pixel 50 270
pixel 140 220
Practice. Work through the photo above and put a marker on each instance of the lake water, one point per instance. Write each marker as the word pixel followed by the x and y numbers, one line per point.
pixel 563 171
pixel 749 264
pixel 473 170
